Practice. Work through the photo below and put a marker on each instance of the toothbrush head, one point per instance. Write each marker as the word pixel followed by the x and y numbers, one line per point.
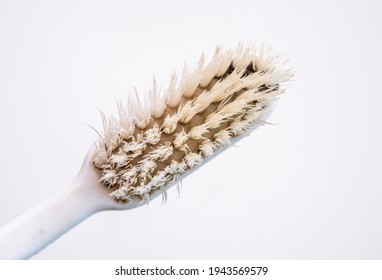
pixel 155 142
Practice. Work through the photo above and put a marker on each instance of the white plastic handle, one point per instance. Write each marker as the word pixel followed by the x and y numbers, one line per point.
pixel 35 229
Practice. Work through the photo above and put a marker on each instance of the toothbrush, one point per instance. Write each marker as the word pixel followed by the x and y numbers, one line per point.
pixel 154 143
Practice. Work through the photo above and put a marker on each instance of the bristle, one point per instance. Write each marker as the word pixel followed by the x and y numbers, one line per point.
pixel 156 102
pixel 155 141
pixel 180 139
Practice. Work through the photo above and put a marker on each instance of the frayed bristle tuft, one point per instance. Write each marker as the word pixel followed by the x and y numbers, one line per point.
pixel 155 141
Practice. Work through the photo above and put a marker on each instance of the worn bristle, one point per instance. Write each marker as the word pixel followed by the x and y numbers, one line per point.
pixel 155 141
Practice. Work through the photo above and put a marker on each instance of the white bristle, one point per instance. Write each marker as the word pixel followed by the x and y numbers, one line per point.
pixel 198 131
pixel 180 139
pixel 192 159
pixel 155 141
pixel 152 136
pixel 222 138
pixel 207 148
pixel 174 92
pixel 170 123
pixel 109 177
pixel 190 81
pixel 119 159
pixel 134 149
pixel 156 102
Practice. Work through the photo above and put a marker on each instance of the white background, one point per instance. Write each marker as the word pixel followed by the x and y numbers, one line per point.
pixel 306 188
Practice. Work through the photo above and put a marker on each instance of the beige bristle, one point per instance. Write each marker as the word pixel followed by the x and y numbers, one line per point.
pixel 156 141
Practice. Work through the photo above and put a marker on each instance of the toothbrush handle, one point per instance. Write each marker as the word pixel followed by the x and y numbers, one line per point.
pixel 32 231
pixel 35 229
